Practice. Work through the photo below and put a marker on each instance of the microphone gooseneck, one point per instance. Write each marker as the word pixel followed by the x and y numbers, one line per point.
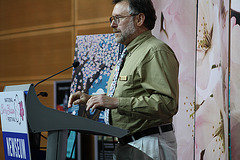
pixel 75 64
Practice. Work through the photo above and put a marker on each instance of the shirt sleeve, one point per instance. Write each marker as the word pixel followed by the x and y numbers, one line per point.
pixel 159 79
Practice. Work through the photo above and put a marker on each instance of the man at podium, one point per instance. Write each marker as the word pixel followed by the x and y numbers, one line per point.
pixel 142 92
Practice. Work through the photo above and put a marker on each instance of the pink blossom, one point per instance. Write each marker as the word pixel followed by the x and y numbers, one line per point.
pixel 21 109
pixel 235 89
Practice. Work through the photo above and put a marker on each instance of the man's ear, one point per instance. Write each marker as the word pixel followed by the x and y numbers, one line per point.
pixel 140 18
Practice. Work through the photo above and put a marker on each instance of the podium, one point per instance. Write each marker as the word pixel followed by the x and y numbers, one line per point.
pixel 41 118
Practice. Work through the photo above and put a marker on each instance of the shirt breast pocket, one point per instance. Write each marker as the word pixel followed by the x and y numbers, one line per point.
pixel 124 85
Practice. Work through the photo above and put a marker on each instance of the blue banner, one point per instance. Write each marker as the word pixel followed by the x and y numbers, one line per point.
pixel 16 146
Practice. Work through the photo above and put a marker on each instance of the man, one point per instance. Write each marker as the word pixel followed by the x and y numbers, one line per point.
pixel 145 97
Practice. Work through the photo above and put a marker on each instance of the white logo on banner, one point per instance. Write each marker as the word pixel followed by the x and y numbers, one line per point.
pixel 13 112
pixel 13 109
pixel 16 147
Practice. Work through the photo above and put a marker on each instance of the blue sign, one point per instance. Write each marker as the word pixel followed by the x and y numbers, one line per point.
pixel 15 145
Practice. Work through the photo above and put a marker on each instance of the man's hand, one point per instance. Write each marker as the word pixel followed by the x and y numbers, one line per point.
pixel 102 101
pixel 78 98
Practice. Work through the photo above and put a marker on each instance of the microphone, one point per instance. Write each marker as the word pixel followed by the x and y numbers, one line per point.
pixel 75 64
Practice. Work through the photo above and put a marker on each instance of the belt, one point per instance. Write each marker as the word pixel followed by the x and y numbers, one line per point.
pixel 138 135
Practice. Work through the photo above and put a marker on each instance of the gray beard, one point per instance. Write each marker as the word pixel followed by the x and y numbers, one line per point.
pixel 126 33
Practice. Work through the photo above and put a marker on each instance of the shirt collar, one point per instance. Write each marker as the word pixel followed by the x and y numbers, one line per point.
pixel 138 41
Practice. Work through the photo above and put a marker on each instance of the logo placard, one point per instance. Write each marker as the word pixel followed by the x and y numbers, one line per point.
pixel 14 125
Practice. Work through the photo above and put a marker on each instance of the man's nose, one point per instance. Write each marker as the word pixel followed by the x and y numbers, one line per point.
pixel 113 24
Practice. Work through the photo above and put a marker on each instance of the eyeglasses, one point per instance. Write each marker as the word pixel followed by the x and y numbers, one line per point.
pixel 116 19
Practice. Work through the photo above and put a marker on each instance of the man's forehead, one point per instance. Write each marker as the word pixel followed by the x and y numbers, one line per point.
pixel 121 8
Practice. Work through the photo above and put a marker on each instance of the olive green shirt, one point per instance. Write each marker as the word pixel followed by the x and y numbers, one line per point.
pixel 147 86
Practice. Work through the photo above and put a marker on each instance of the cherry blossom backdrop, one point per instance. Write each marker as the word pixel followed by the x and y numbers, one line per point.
pixel 200 33
pixel 176 25
pixel 235 80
